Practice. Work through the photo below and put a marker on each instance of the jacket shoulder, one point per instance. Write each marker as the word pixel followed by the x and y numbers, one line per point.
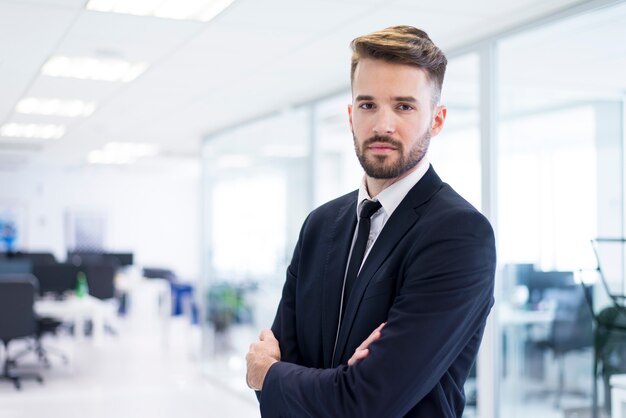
pixel 451 209
pixel 331 207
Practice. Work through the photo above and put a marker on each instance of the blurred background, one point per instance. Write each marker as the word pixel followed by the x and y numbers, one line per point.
pixel 157 159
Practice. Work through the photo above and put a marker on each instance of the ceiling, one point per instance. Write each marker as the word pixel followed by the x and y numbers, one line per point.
pixel 253 59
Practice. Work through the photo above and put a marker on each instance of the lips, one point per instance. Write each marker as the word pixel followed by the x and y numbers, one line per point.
pixel 381 147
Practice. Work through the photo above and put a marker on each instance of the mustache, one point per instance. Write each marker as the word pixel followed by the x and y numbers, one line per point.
pixel 382 139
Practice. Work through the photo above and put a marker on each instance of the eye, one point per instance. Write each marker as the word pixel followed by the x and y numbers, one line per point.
pixel 405 107
pixel 366 105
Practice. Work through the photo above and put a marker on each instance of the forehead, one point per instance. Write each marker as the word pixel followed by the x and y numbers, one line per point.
pixel 375 77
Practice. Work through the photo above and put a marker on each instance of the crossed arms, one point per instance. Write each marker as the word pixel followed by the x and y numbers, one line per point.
pixel 431 337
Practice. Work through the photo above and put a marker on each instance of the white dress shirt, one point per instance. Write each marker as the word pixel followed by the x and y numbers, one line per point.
pixel 390 199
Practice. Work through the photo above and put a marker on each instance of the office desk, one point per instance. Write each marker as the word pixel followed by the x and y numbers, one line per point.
pixel 515 324
pixel 509 316
pixel 77 311
pixel 618 395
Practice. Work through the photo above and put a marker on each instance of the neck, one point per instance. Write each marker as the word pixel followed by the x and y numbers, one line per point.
pixel 375 186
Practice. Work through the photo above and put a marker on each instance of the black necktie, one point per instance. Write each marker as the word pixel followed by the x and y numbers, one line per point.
pixel 358 251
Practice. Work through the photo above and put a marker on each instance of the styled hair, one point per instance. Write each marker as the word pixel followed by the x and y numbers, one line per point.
pixel 402 45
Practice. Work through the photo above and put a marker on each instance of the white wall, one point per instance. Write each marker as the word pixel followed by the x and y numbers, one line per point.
pixel 153 211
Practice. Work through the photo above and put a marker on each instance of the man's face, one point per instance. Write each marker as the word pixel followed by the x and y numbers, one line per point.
pixel 392 117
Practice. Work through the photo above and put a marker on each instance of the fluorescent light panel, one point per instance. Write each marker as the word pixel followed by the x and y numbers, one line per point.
pixel 55 107
pixel 122 153
pixel 89 68
pixel 32 130
pixel 234 161
pixel 285 151
pixel 201 10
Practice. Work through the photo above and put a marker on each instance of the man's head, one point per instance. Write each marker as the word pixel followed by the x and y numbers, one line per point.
pixel 402 45
pixel 396 84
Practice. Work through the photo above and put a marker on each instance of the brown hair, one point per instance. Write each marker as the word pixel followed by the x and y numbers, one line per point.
pixel 402 45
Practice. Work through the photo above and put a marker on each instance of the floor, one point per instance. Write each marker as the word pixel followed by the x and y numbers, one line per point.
pixel 153 368
pixel 149 368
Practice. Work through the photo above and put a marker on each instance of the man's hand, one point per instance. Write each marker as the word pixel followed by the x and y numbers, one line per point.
pixel 362 350
pixel 260 357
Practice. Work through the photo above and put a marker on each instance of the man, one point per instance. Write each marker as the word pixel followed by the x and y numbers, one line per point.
pixel 400 338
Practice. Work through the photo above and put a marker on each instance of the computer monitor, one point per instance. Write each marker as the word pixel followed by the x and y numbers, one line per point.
pixel 514 274
pixel 124 259
pixel 88 258
pixel 15 266
pixel 539 281
pixel 56 278
pixel 80 258
pixel 35 258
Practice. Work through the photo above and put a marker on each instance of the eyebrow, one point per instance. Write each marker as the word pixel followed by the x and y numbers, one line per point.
pixel 410 99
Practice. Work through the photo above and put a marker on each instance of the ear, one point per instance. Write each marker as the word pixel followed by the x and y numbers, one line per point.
pixel 350 116
pixel 438 120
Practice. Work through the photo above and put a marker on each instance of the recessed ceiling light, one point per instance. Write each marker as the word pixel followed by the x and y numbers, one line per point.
pixel 32 130
pixel 122 153
pixel 285 151
pixel 234 161
pixel 201 10
pixel 89 68
pixel 55 107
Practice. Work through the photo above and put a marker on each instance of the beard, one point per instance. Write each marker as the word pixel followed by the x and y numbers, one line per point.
pixel 388 166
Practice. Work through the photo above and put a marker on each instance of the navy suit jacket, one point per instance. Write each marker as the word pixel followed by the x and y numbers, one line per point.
pixel 429 275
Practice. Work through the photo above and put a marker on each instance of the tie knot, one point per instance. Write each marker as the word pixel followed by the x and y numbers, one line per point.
pixel 369 208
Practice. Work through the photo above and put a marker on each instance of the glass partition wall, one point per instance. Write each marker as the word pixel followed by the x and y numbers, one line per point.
pixel 560 184
pixel 546 155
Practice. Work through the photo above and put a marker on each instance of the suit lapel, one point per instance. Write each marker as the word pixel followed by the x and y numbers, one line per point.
pixel 340 240
pixel 400 222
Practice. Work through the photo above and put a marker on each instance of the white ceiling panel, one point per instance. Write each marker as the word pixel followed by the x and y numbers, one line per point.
pixel 28 34
pixel 134 38
pixel 293 16
pixel 256 58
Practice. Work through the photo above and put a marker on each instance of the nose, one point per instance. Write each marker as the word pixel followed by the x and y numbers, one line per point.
pixel 385 123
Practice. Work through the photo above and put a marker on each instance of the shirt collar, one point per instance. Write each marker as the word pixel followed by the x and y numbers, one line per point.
pixel 391 197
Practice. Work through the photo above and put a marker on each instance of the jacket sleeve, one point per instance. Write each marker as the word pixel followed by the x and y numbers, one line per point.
pixel 284 326
pixel 446 295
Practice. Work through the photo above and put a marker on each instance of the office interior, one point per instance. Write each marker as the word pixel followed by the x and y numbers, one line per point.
pixel 170 155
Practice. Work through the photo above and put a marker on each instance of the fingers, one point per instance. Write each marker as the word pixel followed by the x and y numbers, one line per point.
pixel 372 337
pixel 260 357
pixel 362 350
pixel 267 344
pixel 358 355
pixel 267 335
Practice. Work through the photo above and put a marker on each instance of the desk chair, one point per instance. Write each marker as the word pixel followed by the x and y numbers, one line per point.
pixel 55 279
pixel 101 283
pixel 570 331
pixel 101 280
pixel 609 341
pixel 45 326
pixel 17 320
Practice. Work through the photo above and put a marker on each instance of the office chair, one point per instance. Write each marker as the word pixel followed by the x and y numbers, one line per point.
pixel 44 326
pixel 570 331
pixel 609 340
pixel 101 279
pixel 158 273
pixel 17 320
pixel 56 279
pixel 101 283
